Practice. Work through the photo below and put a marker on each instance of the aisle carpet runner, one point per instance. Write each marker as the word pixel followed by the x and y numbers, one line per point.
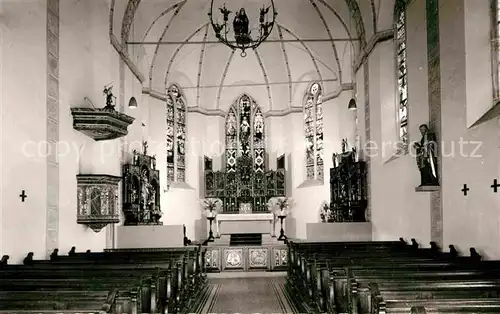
pixel 265 295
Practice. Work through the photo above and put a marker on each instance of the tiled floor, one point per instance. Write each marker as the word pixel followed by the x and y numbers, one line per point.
pixel 248 295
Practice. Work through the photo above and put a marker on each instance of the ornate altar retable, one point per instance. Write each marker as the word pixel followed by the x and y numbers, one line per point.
pixel 348 189
pixel 244 190
pixel 141 190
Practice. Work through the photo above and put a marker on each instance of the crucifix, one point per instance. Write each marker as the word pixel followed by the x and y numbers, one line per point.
pixel 495 185
pixel 23 196
pixel 465 189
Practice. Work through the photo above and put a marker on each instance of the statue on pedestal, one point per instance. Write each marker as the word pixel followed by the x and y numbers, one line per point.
pixel 426 157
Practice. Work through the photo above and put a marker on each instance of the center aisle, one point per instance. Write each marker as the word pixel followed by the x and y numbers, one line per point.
pixel 248 295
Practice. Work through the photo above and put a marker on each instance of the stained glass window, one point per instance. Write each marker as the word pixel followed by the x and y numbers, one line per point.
pixel 245 134
pixel 313 128
pixel 176 135
pixel 402 73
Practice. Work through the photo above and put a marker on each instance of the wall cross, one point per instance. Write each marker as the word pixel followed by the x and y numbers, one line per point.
pixel 23 195
pixel 495 185
pixel 465 189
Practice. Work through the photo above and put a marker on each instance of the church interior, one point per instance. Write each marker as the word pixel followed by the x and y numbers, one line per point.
pixel 250 156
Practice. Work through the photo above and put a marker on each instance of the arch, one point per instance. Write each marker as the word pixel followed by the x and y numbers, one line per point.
pixel 245 133
pixel 176 138
pixel 313 132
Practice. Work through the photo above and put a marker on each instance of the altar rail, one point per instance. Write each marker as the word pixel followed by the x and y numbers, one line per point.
pixel 246 258
pixel 234 191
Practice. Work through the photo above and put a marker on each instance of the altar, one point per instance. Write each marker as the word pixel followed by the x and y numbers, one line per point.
pixel 245 223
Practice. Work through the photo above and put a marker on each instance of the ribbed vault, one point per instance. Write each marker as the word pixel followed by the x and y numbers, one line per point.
pixel 276 74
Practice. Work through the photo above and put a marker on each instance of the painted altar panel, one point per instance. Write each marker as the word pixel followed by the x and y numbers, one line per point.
pixel 233 259
pixel 258 258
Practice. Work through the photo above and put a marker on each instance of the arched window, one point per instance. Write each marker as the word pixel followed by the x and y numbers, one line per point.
pixel 313 124
pixel 245 134
pixel 401 70
pixel 176 135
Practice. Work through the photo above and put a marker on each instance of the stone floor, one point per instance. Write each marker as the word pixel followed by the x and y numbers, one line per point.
pixel 244 293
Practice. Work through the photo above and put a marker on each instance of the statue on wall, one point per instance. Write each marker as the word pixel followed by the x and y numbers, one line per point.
pixel 110 98
pixel 426 157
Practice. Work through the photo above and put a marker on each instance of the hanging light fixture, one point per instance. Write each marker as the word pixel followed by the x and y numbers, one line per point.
pixel 242 33
pixel 132 103
pixel 352 104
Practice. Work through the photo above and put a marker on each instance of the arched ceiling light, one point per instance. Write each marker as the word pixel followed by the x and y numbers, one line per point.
pixel 242 33
pixel 352 104
pixel 132 103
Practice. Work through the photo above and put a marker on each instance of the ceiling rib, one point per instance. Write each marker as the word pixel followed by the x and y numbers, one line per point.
pixel 176 12
pixel 374 16
pixel 347 29
pixel 287 64
pixel 260 84
pixel 313 59
pixel 200 67
pixel 223 77
pixel 335 52
pixel 174 55
pixel 159 17
pixel 266 79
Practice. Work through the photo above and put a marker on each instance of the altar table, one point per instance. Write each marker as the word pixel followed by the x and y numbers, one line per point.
pixel 245 223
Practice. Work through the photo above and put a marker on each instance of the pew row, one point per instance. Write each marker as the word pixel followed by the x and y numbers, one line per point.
pixel 389 277
pixel 170 280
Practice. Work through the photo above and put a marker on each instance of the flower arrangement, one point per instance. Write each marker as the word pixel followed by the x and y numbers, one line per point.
pixel 283 205
pixel 211 206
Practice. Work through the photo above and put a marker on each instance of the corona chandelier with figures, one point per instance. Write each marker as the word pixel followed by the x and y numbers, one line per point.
pixel 242 33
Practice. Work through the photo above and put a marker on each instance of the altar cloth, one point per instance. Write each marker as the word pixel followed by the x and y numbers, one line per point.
pixel 244 223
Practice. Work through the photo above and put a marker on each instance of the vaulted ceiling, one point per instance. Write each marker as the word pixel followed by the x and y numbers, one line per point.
pixel 172 41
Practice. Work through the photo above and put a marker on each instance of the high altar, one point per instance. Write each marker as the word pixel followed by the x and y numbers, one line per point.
pixel 244 187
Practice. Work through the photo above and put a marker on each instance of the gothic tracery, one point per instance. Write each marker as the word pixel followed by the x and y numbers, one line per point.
pixel 313 128
pixel 245 134
pixel 176 135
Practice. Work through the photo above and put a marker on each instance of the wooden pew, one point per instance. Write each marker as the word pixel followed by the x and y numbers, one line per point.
pixel 323 270
pixel 160 281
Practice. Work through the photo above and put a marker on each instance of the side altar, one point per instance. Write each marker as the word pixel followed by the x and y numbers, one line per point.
pixel 141 207
pixel 141 190
pixel 345 218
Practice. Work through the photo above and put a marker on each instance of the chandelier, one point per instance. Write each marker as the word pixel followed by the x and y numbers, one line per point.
pixel 243 38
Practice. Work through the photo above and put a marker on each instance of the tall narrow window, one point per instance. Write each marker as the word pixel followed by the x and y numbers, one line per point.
pixel 402 74
pixel 245 134
pixel 176 136
pixel 313 124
